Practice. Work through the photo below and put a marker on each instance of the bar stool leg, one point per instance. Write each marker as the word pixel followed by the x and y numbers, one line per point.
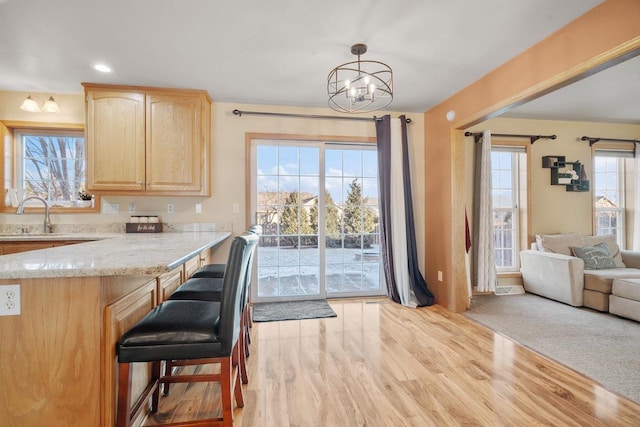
pixel 225 392
pixel 168 371
pixel 235 364
pixel 242 345
pixel 155 375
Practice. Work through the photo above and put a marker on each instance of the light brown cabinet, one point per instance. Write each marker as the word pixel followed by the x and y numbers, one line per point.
pixel 169 282
pixel 15 247
pixel 191 266
pixel 143 140
pixel 119 317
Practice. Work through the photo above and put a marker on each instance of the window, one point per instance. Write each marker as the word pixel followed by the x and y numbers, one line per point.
pixel 317 203
pixel 508 167
pixel 51 164
pixel 609 195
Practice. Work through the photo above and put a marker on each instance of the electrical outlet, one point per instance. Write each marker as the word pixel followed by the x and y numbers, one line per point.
pixel 110 208
pixel 9 300
pixel 235 208
pixel 170 208
pixel 198 207
pixel 132 208
pixel 439 276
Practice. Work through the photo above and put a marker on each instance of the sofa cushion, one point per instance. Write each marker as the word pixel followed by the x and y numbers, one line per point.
pixel 610 241
pixel 596 257
pixel 626 288
pixel 601 280
pixel 559 243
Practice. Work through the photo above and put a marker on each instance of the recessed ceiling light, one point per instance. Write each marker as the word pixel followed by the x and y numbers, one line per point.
pixel 102 68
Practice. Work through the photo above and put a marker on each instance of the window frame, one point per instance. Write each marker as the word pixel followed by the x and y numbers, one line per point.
pixel 521 196
pixel 621 152
pixel 251 141
pixel 10 131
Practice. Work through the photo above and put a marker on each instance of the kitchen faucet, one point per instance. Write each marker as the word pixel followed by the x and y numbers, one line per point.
pixel 47 220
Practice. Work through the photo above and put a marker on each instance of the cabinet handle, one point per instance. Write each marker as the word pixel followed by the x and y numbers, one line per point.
pixel 139 182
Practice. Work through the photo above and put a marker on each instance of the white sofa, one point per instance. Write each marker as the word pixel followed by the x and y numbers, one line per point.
pixel 549 269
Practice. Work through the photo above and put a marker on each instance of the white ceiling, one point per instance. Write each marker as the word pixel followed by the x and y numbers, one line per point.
pixel 276 52
pixel 612 95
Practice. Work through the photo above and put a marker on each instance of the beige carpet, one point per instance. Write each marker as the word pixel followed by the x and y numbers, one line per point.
pixel 601 346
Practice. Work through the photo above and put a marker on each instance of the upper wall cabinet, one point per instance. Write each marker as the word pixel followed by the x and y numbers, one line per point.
pixel 151 141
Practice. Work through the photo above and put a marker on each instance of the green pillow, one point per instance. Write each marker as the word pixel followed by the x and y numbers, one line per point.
pixel 596 257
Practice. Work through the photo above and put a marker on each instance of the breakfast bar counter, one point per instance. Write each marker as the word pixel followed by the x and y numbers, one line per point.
pixel 59 363
pixel 108 254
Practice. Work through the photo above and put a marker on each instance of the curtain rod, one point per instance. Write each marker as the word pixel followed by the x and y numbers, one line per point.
pixel 533 138
pixel 593 139
pixel 308 116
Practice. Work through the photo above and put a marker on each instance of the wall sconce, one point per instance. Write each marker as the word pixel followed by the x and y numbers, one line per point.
pixel 30 104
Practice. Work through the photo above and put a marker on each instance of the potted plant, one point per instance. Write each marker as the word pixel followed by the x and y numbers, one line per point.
pixel 567 177
pixel 84 199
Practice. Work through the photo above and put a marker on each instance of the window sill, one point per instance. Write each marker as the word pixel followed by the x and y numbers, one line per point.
pixel 55 209
pixel 509 275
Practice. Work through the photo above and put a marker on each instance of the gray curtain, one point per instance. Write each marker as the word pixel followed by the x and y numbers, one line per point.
pixel 389 225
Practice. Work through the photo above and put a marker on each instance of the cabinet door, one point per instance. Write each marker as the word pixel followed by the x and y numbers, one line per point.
pixel 191 266
pixel 169 282
pixel 115 140
pixel 119 317
pixel 174 143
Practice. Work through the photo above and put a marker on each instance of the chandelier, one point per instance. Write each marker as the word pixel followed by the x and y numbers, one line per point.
pixel 360 86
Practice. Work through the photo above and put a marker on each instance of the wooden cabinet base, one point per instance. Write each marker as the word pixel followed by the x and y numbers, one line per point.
pixel 50 354
pixel 58 356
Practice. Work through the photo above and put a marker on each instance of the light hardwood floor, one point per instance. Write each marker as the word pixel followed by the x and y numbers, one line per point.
pixel 380 364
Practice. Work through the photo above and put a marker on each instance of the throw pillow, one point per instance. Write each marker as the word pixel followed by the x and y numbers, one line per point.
pixel 610 240
pixel 596 257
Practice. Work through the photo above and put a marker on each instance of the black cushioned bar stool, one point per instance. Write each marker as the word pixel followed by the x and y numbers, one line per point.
pixel 190 331
pixel 217 270
pixel 210 289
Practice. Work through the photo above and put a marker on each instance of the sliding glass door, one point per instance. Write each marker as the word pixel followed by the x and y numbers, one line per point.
pixel 318 207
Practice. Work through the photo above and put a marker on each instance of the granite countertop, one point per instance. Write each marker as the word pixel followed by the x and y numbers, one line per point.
pixel 107 254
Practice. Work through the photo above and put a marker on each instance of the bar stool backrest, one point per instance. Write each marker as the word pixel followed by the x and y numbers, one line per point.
pixel 231 301
pixel 255 229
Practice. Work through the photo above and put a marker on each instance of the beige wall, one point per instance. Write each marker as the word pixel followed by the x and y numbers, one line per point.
pixel 554 210
pixel 228 160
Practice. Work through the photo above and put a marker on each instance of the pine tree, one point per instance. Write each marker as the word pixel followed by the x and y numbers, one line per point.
pixel 332 222
pixel 369 225
pixel 289 221
pixel 313 217
pixel 353 216
pixel 306 228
